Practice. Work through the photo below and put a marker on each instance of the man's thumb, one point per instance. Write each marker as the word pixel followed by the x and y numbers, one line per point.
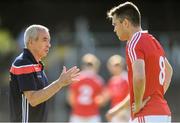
pixel 64 69
pixel 147 99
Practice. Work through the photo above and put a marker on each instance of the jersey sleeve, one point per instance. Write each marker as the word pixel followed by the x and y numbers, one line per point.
pixel 136 49
pixel 25 73
pixel 26 82
pixel 139 53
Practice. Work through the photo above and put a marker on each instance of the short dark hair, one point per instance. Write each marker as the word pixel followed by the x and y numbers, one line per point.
pixel 128 11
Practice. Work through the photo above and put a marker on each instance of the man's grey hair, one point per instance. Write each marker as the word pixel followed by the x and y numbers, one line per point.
pixel 32 33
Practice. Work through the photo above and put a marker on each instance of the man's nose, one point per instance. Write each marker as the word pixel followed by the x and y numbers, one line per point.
pixel 49 44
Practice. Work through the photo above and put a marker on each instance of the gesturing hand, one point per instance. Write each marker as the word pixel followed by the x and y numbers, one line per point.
pixel 69 76
pixel 137 108
pixel 109 115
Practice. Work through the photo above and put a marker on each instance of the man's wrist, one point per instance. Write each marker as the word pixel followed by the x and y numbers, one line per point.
pixel 60 83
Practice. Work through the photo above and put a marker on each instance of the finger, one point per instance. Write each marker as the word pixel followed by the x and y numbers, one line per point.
pixel 133 113
pixel 146 100
pixel 75 75
pixel 75 80
pixel 133 105
pixel 108 116
pixel 133 109
pixel 64 69
pixel 72 69
pixel 75 71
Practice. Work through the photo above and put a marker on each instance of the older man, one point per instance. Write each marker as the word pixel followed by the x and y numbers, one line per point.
pixel 29 88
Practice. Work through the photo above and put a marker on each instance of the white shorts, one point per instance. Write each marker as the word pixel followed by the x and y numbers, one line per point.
pixel 152 119
pixel 91 119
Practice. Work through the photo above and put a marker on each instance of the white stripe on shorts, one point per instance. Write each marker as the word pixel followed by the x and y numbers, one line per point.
pixel 152 119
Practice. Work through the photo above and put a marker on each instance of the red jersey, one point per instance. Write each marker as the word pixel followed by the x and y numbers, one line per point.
pixel 118 88
pixel 89 86
pixel 145 46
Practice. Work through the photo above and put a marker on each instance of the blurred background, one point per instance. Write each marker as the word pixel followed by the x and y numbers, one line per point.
pixel 78 27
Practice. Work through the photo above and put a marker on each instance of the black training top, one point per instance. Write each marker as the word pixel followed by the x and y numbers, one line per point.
pixel 26 75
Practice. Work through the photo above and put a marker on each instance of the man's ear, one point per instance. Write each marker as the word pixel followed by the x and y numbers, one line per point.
pixel 126 23
pixel 30 42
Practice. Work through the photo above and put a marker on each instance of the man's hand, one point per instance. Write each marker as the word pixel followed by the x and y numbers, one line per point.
pixel 109 115
pixel 137 108
pixel 69 76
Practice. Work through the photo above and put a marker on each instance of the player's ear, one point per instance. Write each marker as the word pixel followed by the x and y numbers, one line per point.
pixel 126 23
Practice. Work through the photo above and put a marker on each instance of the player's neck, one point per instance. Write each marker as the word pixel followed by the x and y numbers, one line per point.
pixel 133 31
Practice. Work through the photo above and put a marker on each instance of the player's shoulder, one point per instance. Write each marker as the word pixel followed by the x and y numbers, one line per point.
pixel 148 39
pixel 121 78
pixel 144 35
pixel 21 60
pixel 138 39
pixel 100 79
pixel 145 39
pixel 124 75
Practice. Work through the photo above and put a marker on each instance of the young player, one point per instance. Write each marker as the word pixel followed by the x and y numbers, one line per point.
pixel 149 71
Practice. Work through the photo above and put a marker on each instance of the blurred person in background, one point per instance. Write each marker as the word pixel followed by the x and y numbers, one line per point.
pixel 8 48
pixel 149 71
pixel 82 94
pixel 29 88
pixel 6 53
pixel 117 90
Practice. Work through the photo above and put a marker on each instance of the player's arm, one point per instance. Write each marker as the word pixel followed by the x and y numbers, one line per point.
pixel 103 97
pixel 113 111
pixel 168 75
pixel 66 77
pixel 71 97
pixel 139 82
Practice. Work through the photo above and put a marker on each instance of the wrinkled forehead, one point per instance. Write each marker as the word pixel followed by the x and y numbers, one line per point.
pixel 44 34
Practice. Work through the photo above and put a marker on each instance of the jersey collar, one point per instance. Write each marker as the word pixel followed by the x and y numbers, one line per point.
pixel 28 53
pixel 142 31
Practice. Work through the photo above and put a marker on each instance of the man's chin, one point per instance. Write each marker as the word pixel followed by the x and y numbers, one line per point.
pixel 122 39
pixel 44 55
